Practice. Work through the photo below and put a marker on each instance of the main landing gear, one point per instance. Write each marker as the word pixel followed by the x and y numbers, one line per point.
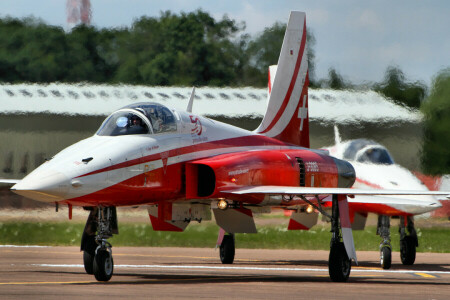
pixel 339 265
pixel 97 253
pixel 408 242
pixel 227 249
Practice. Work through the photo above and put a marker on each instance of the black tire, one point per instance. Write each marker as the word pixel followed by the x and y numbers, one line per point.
pixel 386 257
pixel 103 265
pixel 88 260
pixel 227 250
pixel 339 265
pixel 408 250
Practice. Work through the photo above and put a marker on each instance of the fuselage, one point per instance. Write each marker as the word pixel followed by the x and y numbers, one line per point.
pixel 375 169
pixel 122 168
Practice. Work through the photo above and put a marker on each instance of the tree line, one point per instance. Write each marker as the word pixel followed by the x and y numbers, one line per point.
pixel 194 49
pixel 183 49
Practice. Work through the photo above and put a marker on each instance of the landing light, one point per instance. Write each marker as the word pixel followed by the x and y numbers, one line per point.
pixel 309 209
pixel 222 204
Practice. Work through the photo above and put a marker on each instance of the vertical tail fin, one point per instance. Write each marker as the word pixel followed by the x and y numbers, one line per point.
pixel 286 117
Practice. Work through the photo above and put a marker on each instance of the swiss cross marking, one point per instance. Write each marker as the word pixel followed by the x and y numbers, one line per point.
pixel 302 112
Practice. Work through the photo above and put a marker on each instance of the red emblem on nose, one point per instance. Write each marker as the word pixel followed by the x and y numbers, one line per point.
pixel 197 125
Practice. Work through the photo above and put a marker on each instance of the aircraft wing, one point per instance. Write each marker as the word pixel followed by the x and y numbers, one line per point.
pixel 9 181
pixel 305 191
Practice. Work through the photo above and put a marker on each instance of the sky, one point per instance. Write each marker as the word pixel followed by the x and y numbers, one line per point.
pixel 359 38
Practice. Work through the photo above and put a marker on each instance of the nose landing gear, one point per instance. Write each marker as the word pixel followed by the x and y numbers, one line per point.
pixel 103 263
pixel 383 231
pixel 97 252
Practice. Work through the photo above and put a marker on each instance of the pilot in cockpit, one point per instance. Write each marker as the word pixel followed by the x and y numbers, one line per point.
pixel 155 120
pixel 136 121
pixel 136 126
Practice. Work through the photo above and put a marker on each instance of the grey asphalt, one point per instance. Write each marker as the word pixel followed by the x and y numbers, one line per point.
pixel 141 272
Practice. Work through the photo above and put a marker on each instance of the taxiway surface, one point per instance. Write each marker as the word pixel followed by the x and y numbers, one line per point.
pixel 57 272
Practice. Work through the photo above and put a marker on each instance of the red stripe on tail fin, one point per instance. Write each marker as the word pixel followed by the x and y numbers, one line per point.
pixel 287 117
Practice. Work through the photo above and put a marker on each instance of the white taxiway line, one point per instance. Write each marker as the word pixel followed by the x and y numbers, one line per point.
pixel 25 246
pixel 245 268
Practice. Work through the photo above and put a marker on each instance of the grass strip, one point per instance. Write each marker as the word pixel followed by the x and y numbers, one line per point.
pixel 205 235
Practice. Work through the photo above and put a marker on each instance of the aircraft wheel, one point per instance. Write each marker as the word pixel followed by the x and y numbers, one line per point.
pixel 88 260
pixel 103 265
pixel 386 257
pixel 339 265
pixel 408 250
pixel 227 249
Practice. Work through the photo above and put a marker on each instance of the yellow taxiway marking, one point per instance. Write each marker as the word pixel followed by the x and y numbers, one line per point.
pixel 184 256
pixel 46 282
pixel 425 275
pixel 121 282
pixel 134 255
pixel 353 276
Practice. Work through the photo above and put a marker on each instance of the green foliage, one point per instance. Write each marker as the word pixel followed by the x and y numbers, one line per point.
pixel 265 50
pixel 205 235
pixel 173 49
pixel 336 81
pixel 436 108
pixel 395 86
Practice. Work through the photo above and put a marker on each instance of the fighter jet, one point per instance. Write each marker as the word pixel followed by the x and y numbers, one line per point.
pixel 182 166
pixel 375 169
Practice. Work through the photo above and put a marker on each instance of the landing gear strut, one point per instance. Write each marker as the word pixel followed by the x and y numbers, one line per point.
pixel 383 231
pixel 339 265
pixel 408 243
pixel 227 249
pixel 97 253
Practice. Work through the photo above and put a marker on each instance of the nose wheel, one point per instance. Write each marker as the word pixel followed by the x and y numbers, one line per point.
pixel 385 256
pixel 103 265
pixel 88 261
pixel 97 251
pixel 383 229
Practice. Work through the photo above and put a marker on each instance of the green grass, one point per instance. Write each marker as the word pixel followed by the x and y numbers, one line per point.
pixel 205 235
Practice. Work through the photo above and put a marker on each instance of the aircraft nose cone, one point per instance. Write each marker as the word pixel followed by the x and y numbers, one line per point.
pixel 43 185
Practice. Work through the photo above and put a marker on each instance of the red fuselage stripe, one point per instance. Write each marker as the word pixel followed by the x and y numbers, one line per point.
pixel 253 140
pixel 372 185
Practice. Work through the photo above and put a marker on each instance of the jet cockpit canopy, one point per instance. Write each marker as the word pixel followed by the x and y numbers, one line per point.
pixel 368 151
pixel 139 118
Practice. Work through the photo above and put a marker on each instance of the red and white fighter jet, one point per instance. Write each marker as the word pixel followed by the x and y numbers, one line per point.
pixel 182 166
pixel 375 169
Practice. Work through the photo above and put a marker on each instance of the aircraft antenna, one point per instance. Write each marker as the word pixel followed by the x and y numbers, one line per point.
pixel 337 138
pixel 191 100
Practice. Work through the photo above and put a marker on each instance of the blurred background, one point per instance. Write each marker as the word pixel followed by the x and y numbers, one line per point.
pixel 377 70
